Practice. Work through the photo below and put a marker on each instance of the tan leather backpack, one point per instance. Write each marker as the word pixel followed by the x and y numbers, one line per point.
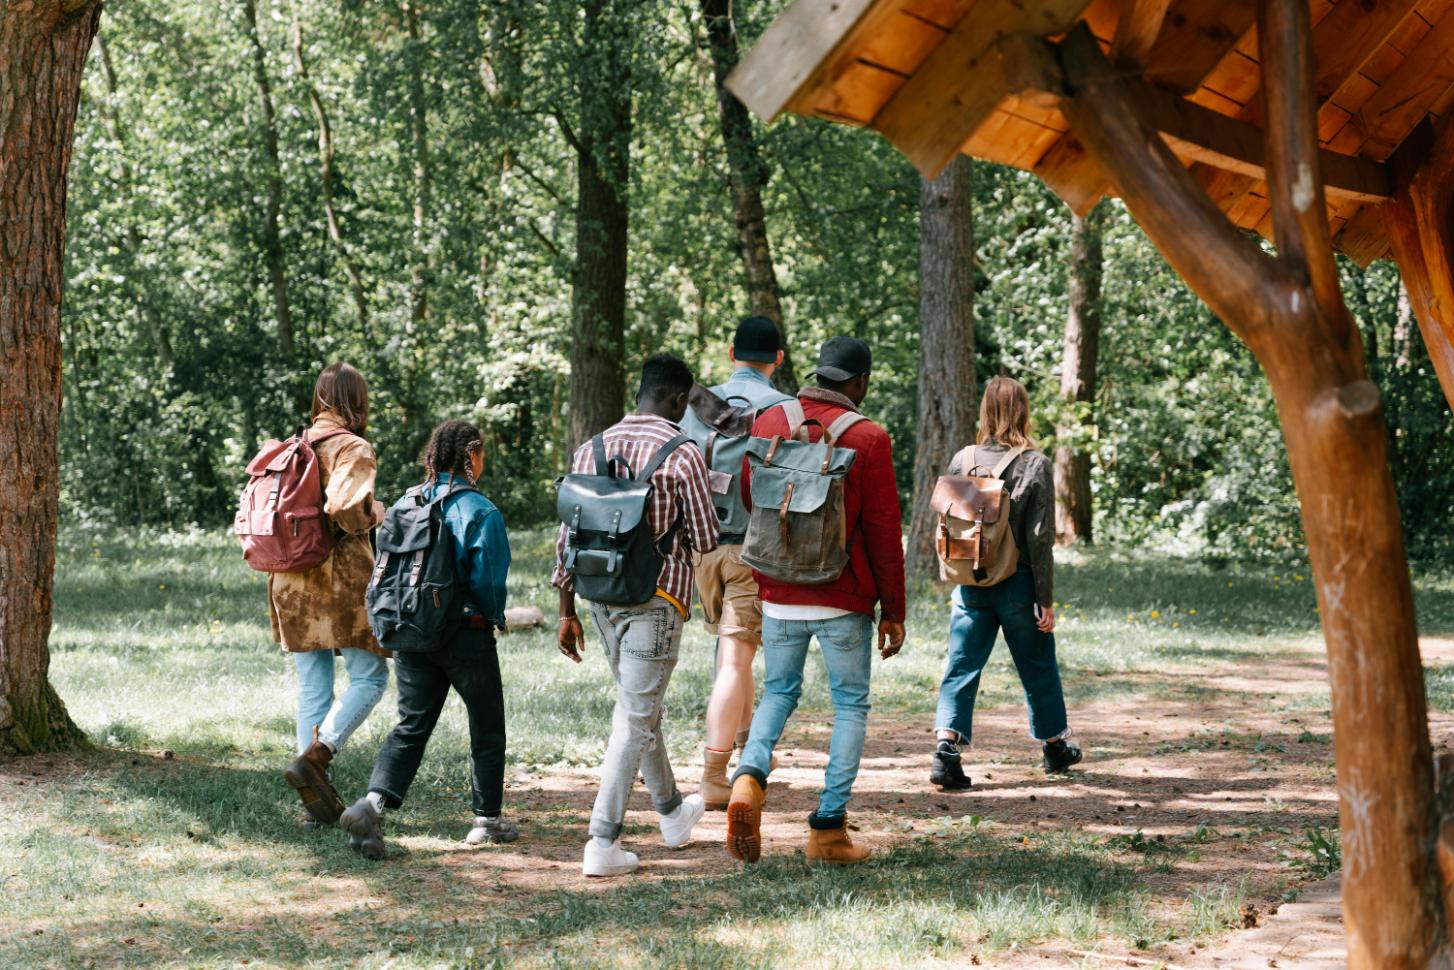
pixel 973 538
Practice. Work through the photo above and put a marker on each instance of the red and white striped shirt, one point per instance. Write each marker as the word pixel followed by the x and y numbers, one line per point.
pixel 681 492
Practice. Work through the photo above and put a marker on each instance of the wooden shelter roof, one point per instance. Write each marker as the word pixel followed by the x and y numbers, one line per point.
pixel 937 77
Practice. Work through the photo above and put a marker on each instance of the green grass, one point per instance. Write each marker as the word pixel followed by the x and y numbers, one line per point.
pixel 177 845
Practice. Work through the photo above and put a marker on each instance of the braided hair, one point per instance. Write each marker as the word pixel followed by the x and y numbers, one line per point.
pixel 449 450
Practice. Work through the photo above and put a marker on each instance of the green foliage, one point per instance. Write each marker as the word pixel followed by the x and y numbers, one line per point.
pixel 166 260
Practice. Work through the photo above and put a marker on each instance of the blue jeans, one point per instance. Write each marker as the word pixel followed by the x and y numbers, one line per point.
pixel 978 614
pixel 847 643
pixel 368 678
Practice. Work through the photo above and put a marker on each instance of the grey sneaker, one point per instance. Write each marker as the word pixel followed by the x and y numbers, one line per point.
pixel 491 830
pixel 365 828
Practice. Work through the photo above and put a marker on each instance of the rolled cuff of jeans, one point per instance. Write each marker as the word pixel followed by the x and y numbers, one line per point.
pixel 826 822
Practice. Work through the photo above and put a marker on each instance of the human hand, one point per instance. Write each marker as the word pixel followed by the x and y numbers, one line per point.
pixel 890 638
pixel 1045 619
pixel 570 638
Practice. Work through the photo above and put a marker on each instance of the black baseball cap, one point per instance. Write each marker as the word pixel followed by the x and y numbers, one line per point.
pixel 843 358
pixel 756 340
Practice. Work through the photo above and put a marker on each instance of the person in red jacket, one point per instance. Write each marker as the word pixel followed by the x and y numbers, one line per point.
pixel 840 614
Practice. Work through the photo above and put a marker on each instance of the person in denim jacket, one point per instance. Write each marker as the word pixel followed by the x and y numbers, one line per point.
pixel 466 661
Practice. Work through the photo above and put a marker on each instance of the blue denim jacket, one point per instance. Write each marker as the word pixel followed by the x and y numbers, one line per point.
pixel 481 548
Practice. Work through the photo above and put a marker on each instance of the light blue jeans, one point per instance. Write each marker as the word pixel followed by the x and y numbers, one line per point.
pixel 336 720
pixel 847 645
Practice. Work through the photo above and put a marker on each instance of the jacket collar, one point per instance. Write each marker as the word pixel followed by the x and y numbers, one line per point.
pixel 824 396
pixel 327 419
pixel 750 374
pixel 641 417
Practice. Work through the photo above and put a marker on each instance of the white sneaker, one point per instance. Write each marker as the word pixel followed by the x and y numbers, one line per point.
pixel 612 860
pixel 676 828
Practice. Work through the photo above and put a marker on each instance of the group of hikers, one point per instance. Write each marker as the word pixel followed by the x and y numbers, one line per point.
pixel 781 512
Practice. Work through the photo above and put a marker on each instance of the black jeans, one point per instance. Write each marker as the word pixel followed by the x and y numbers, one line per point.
pixel 468 663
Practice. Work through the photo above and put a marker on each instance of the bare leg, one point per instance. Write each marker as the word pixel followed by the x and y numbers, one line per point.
pixel 730 707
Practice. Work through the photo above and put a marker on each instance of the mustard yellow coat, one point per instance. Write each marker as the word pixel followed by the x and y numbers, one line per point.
pixel 323 608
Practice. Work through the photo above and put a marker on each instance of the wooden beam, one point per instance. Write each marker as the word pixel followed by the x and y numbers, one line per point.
pixel 1136 31
pixel 789 54
pixel 1194 38
pixel 1205 135
pixel 990 54
pixel 1406 95
pixel 1364 238
pixel 1069 171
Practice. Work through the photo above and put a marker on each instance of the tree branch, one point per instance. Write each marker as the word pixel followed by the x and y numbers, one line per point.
pixel 1294 178
pixel 1223 266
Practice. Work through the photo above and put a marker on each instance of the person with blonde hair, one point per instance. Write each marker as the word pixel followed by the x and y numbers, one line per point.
pixel 1021 605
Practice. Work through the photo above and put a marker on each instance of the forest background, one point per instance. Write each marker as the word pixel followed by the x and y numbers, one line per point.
pixel 496 209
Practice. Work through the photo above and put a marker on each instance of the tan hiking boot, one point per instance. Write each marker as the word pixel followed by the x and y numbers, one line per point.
pixel 744 819
pixel 309 775
pixel 716 790
pixel 834 846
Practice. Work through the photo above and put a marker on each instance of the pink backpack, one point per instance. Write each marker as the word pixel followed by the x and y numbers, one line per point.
pixel 280 519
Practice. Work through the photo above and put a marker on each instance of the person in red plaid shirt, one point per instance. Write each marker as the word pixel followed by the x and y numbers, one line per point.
pixel 642 641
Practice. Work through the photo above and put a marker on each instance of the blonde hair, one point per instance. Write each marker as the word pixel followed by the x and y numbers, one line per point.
pixel 1004 413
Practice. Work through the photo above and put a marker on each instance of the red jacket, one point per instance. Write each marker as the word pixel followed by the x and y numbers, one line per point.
pixel 875 571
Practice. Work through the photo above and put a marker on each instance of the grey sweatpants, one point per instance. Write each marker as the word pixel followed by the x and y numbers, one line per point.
pixel 642 644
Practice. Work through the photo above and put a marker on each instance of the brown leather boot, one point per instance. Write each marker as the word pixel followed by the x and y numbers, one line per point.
pixel 309 775
pixel 744 819
pixel 834 846
pixel 716 790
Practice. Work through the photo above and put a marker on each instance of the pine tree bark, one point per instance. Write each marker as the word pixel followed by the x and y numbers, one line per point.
pixel 1078 380
pixel 948 397
pixel 598 292
pixel 747 174
pixel 273 170
pixel 43 47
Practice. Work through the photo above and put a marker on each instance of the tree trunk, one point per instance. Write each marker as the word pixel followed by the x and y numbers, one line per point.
pixel 136 279
pixel 1290 311
pixel 325 179
pixel 1078 381
pixel 948 398
pixel 747 174
pixel 43 47
pixel 419 141
pixel 598 293
pixel 273 169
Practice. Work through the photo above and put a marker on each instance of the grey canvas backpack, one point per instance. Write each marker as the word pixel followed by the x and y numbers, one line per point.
pixel 609 546
pixel 723 430
pixel 797 532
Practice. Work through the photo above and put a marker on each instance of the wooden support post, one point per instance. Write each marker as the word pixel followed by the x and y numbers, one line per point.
pixel 1291 313
pixel 1420 227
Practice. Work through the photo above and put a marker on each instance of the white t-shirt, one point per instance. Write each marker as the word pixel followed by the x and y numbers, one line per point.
pixel 791 611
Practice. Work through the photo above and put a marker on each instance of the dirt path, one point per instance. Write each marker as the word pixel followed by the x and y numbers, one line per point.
pixel 1247 762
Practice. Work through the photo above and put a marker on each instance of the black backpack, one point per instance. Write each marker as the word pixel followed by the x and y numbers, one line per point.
pixel 609 546
pixel 414 600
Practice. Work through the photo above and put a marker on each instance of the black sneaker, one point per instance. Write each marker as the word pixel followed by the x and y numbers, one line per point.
pixel 948 772
pixel 1060 755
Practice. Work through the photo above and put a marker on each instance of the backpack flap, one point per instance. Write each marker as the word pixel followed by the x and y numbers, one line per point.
pixel 601 504
pixel 272 457
pixel 786 453
pixel 968 498
pixel 719 415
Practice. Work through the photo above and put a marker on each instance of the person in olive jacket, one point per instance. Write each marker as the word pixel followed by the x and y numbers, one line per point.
pixel 1022 605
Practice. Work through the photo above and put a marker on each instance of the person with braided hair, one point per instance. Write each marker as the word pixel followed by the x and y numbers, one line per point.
pixel 466 660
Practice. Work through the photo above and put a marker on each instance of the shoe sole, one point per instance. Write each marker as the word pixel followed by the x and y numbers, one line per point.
pixel 836 862
pixel 744 836
pixel 319 799
pixel 1065 768
pixel 608 872
pixel 717 806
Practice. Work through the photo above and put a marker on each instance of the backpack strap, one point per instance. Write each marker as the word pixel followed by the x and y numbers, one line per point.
pixel 598 448
pixel 842 423
pixel 793 411
pixel 662 454
pixel 1004 463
